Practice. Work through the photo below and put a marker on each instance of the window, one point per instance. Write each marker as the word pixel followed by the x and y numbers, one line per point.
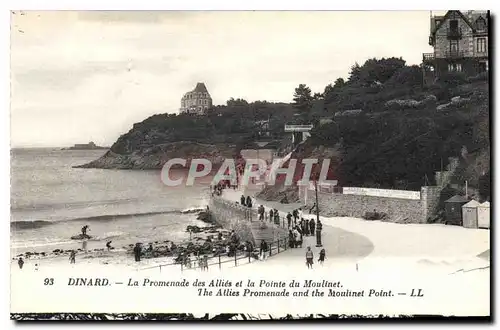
pixel 481 45
pixel 454 25
pixel 455 67
pixel 454 46
pixel 480 24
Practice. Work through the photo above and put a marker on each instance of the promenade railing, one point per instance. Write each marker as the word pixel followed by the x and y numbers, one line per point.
pixel 239 258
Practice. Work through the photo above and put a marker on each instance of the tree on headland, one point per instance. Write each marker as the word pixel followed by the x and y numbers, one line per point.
pixel 374 70
pixel 303 100
pixel 236 102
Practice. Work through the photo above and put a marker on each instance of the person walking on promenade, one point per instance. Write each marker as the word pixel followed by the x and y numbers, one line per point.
pixel 271 215
pixel 242 200
pixel 72 257
pixel 300 213
pixel 261 212
pixel 289 219
pixel 108 245
pixel 249 202
pixel 291 239
pixel 296 238
pixel 295 215
pixel 306 227
pixel 205 263
pixel 322 256
pixel 276 217
pixel 263 249
pixel 312 226
pixel 20 262
pixel 313 208
pixel 309 257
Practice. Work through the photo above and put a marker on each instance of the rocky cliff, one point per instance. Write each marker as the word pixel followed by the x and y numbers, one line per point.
pixel 155 156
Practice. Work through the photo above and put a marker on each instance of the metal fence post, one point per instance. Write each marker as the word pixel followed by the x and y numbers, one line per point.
pixel 219 262
pixel 278 245
pixel 271 249
pixel 181 267
pixel 235 259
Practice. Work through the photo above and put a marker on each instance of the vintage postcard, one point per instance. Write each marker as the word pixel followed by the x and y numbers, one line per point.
pixel 241 165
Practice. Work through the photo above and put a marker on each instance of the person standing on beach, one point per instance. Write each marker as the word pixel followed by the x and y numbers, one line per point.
pixel 137 252
pixel 322 255
pixel 72 257
pixel 20 262
pixel 289 219
pixel 108 245
pixel 84 230
pixel 309 257
pixel 242 200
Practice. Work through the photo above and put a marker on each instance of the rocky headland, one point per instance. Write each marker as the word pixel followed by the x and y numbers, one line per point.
pixel 149 157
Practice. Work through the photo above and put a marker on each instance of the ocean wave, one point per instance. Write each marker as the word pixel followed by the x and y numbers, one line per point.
pixel 108 235
pixel 193 210
pixel 69 205
pixel 29 224
pixel 35 224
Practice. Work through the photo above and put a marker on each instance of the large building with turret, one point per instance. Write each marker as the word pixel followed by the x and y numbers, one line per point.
pixel 197 101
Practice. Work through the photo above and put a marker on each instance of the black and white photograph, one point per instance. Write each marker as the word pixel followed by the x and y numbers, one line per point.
pixel 249 165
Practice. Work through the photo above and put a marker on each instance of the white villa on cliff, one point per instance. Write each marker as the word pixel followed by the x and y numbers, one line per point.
pixel 197 101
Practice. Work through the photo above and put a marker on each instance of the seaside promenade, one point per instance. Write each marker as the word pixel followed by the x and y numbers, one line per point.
pixel 361 243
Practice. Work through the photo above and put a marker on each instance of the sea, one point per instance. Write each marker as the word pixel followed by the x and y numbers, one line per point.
pixel 51 202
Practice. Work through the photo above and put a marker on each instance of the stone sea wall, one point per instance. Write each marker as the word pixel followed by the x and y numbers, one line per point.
pixel 400 210
pixel 244 221
pixel 232 216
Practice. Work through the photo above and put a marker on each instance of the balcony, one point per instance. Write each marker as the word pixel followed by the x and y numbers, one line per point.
pixel 298 128
pixel 428 57
pixel 454 33
pixel 454 54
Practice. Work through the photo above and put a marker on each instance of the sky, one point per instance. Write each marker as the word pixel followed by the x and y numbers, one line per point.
pixel 90 75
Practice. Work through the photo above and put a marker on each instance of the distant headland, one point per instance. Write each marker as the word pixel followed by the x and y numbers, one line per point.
pixel 85 146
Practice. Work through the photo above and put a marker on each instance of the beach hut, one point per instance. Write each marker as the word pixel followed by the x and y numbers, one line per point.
pixel 453 209
pixel 469 214
pixel 483 215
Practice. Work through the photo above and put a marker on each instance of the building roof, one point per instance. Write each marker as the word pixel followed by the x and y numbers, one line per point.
pixel 471 204
pixel 448 14
pixel 200 88
pixel 457 199
pixel 470 18
pixel 485 204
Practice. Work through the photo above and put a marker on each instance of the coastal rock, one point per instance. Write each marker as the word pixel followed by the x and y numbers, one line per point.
pixel 81 236
pixel 154 156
